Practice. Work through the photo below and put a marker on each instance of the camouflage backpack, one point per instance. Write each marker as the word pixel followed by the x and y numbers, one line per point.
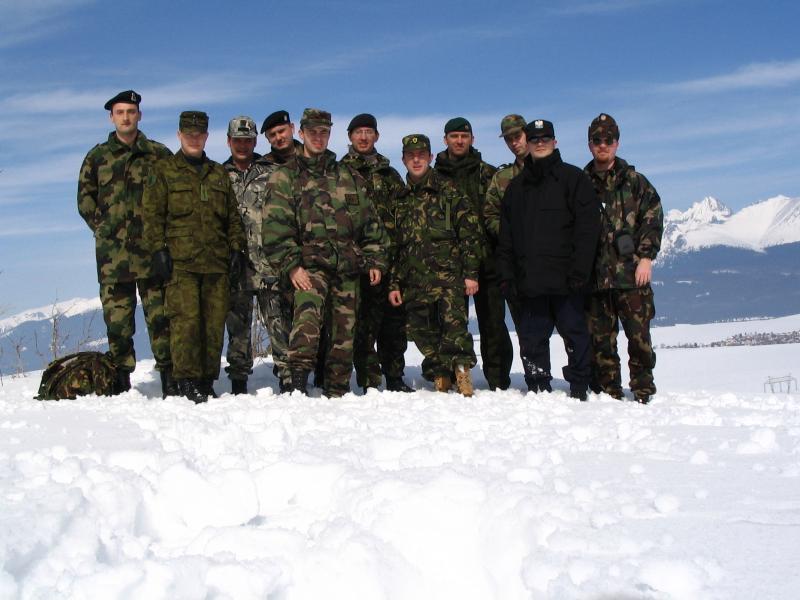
pixel 78 374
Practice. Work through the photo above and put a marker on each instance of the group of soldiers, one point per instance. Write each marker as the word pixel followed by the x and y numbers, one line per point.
pixel 346 260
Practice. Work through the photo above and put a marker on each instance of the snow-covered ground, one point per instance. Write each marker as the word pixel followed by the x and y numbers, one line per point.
pixel 424 496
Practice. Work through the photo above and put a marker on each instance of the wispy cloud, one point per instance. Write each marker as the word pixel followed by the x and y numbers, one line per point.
pixel 23 21
pixel 754 75
pixel 582 7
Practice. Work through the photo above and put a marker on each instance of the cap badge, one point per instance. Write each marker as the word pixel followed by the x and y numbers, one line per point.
pixel 538 124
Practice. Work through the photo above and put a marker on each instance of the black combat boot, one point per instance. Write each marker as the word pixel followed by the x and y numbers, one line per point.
pixel 300 382
pixel 396 384
pixel 238 386
pixel 206 385
pixel 538 385
pixel 169 387
pixel 122 382
pixel 189 389
pixel 578 392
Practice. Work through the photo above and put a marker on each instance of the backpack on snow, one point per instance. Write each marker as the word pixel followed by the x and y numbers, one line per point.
pixel 78 374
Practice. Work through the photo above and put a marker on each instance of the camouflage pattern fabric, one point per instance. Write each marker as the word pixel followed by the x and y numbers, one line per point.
pixel 110 187
pixel 436 243
pixel 197 304
pixel 377 321
pixel 635 308
pixel 78 374
pixel 238 323
pixel 472 177
pixel 282 158
pixel 275 309
pixel 119 307
pixel 193 213
pixel 318 216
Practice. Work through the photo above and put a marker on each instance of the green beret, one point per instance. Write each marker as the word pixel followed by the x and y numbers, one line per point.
pixel 457 124
pixel 416 141
pixel 193 121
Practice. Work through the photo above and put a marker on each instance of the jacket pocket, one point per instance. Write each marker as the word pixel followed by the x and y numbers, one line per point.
pixel 181 200
pixel 180 242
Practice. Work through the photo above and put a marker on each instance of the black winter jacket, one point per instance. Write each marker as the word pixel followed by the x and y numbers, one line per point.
pixel 550 222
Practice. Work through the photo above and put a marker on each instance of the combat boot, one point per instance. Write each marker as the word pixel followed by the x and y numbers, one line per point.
pixel 577 392
pixel 122 382
pixel 169 386
pixel 642 398
pixel 463 381
pixel 189 389
pixel 300 382
pixel 396 384
pixel 206 386
pixel 538 385
pixel 442 383
pixel 238 386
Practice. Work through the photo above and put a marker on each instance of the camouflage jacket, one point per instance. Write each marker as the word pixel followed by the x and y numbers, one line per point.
pixel 318 216
pixel 275 158
pixel 631 205
pixel 110 189
pixel 250 189
pixel 471 176
pixel 193 214
pixel 436 239
pixel 494 198
pixel 382 181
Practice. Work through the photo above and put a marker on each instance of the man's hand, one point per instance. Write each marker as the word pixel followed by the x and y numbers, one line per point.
pixel 470 287
pixel 395 298
pixel 644 272
pixel 374 276
pixel 300 279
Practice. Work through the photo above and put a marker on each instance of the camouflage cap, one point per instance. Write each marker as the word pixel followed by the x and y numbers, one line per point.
pixel 604 125
pixel 126 97
pixel 416 141
pixel 511 124
pixel 457 124
pixel 315 117
pixel 193 121
pixel 279 117
pixel 539 128
pixel 242 127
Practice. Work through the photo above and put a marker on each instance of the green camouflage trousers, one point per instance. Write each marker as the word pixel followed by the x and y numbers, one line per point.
pixel 197 304
pixel 275 311
pixel 378 322
pixel 339 296
pixel 119 307
pixel 439 330
pixel 239 324
pixel 497 353
pixel 635 309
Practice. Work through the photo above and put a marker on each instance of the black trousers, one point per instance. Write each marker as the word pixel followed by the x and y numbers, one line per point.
pixel 537 318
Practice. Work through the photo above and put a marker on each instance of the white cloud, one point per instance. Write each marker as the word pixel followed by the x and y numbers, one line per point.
pixel 755 75
pixel 22 21
pixel 582 7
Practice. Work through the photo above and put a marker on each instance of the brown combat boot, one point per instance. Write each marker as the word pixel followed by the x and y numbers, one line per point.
pixel 442 383
pixel 463 381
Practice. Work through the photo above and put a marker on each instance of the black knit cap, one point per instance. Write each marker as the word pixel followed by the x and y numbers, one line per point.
pixel 363 120
pixel 279 117
pixel 126 97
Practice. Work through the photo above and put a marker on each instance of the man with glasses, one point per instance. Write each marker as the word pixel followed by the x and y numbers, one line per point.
pixel 549 225
pixel 633 222
pixel 321 232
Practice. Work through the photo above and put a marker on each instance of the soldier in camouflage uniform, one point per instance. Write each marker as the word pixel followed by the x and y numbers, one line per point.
pixel 436 245
pixel 279 131
pixel 321 232
pixel 110 201
pixel 461 164
pixel 512 130
pixel 192 222
pixel 241 167
pixel 377 320
pixel 633 223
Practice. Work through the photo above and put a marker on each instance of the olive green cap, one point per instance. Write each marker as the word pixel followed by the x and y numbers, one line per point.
pixel 315 117
pixel 511 124
pixel 193 121
pixel 416 141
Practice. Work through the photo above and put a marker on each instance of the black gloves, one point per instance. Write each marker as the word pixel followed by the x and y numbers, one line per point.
pixel 162 266
pixel 236 267
pixel 508 288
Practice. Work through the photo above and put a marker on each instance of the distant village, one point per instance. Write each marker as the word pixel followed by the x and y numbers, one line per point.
pixel 745 339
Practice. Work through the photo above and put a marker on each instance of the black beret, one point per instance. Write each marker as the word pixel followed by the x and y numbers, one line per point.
pixel 279 117
pixel 127 97
pixel 457 124
pixel 363 120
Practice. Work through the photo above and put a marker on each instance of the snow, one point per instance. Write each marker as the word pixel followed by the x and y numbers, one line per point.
pixel 66 308
pixel 406 496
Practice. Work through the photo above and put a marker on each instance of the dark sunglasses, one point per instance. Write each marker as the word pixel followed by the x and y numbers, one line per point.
pixel 608 141
pixel 544 139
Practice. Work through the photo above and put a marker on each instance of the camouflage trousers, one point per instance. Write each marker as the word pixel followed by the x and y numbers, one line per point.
pixel 635 308
pixel 439 330
pixel 197 304
pixel 378 322
pixel 239 323
pixel 119 309
pixel 339 297
pixel 275 311
pixel 497 353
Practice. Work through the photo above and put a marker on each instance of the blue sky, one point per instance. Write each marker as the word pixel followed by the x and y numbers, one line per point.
pixel 707 92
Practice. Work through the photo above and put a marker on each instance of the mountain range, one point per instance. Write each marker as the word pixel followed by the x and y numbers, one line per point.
pixel 714 265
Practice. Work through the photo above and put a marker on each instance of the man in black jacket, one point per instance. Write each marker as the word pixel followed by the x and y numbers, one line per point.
pixel 550 221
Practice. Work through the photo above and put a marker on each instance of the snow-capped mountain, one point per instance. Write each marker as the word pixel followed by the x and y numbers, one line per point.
pixel 710 223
